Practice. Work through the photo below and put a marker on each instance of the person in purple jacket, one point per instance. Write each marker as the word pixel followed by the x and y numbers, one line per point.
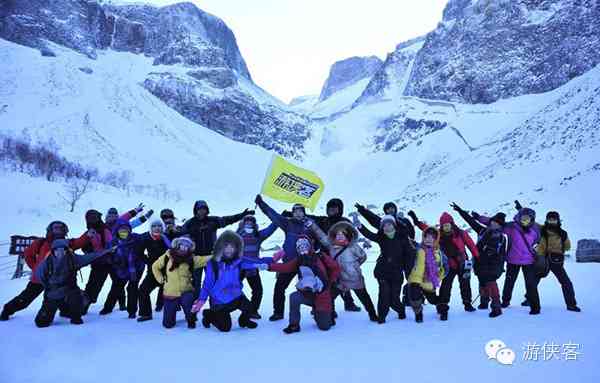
pixel 253 238
pixel 523 234
pixel 223 284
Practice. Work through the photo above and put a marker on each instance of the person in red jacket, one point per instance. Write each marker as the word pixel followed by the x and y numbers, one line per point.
pixel 34 256
pixel 454 242
pixel 317 273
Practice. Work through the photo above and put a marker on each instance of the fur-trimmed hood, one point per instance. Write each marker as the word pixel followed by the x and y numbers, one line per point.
pixel 228 236
pixel 345 226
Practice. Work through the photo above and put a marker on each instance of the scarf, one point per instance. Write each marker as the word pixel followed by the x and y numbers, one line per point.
pixel 431 268
pixel 178 259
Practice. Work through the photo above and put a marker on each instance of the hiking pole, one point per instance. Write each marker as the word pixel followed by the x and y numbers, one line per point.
pixel 476 298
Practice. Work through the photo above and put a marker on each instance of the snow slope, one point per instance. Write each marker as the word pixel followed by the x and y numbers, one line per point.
pixel 120 350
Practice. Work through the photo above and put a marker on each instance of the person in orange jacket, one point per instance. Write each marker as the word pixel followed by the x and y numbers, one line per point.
pixel 454 242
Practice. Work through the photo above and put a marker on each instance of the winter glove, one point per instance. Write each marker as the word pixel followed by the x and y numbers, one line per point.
pixel 412 215
pixel 466 271
pixel 358 206
pixel 278 256
pixel 140 207
pixel 356 221
pixel 248 212
pixel 258 200
pixel 518 205
pixel 475 215
pixel 145 217
pixel 456 207
pixel 197 306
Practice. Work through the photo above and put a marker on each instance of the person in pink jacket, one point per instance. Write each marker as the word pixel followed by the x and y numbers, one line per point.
pixel 523 234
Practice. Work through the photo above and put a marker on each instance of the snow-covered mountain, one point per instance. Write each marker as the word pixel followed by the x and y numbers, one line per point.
pixel 196 67
pixel 485 50
pixel 348 72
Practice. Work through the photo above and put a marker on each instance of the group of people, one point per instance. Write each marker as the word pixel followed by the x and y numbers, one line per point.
pixel 190 265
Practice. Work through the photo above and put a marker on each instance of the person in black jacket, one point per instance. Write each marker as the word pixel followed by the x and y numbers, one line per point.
pixel 172 230
pixel 396 259
pixel 492 244
pixel 155 243
pixel 202 229
pixel 405 227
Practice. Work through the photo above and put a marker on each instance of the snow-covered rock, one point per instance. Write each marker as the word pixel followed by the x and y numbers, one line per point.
pixel 486 50
pixel 217 91
pixel 347 72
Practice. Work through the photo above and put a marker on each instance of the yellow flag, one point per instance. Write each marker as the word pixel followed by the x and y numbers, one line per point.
pixel 289 183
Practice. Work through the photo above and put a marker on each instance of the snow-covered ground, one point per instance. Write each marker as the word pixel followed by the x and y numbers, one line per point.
pixel 118 349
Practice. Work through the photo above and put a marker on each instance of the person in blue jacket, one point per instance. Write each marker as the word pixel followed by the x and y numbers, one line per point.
pixel 58 275
pixel 253 238
pixel 223 284
pixel 294 228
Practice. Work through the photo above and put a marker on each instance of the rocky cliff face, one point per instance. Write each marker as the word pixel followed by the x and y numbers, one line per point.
pixel 390 77
pixel 346 72
pixel 486 50
pixel 207 90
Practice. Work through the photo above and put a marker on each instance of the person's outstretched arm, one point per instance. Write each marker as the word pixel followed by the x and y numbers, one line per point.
pixel 479 228
pixel 276 218
pixel 373 219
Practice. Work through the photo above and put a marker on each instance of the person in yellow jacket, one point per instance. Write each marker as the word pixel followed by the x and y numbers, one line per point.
pixel 427 273
pixel 174 270
pixel 554 243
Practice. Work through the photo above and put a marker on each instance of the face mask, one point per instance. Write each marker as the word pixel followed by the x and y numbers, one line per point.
pixel 525 221
pixel 552 222
pixel 248 230
pixel 298 214
pixel 123 233
pixel 341 239
pixel 447 228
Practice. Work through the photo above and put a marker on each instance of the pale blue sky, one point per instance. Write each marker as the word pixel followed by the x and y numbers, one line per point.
pixel 289 45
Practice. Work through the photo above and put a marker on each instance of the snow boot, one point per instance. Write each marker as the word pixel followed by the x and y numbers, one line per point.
pixel 496 312
pixel 275 317
pixel 505 304
pixel 484 305
pixel 122 307
pixel 105 311
pixel 419 317
pixel 144 318
pixel 292 329
pixel 373 317
pixel 132 315
pixel 381 320
pixel 4 316
pixel 255 315
pixel 191 322
pixel 76 320
pixel 469 308
pixel 352 307
pixel 402 313
pixel 245 322
pixel 534 311
pixel 525 303
pixel 444 316
pixel 205 319
pixel 574 308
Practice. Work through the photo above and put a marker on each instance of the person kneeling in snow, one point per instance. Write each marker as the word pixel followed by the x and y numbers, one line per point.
pixel 174 271
pixel 223 284
pixel 58 275
pixel 316 274
pixel 426 276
